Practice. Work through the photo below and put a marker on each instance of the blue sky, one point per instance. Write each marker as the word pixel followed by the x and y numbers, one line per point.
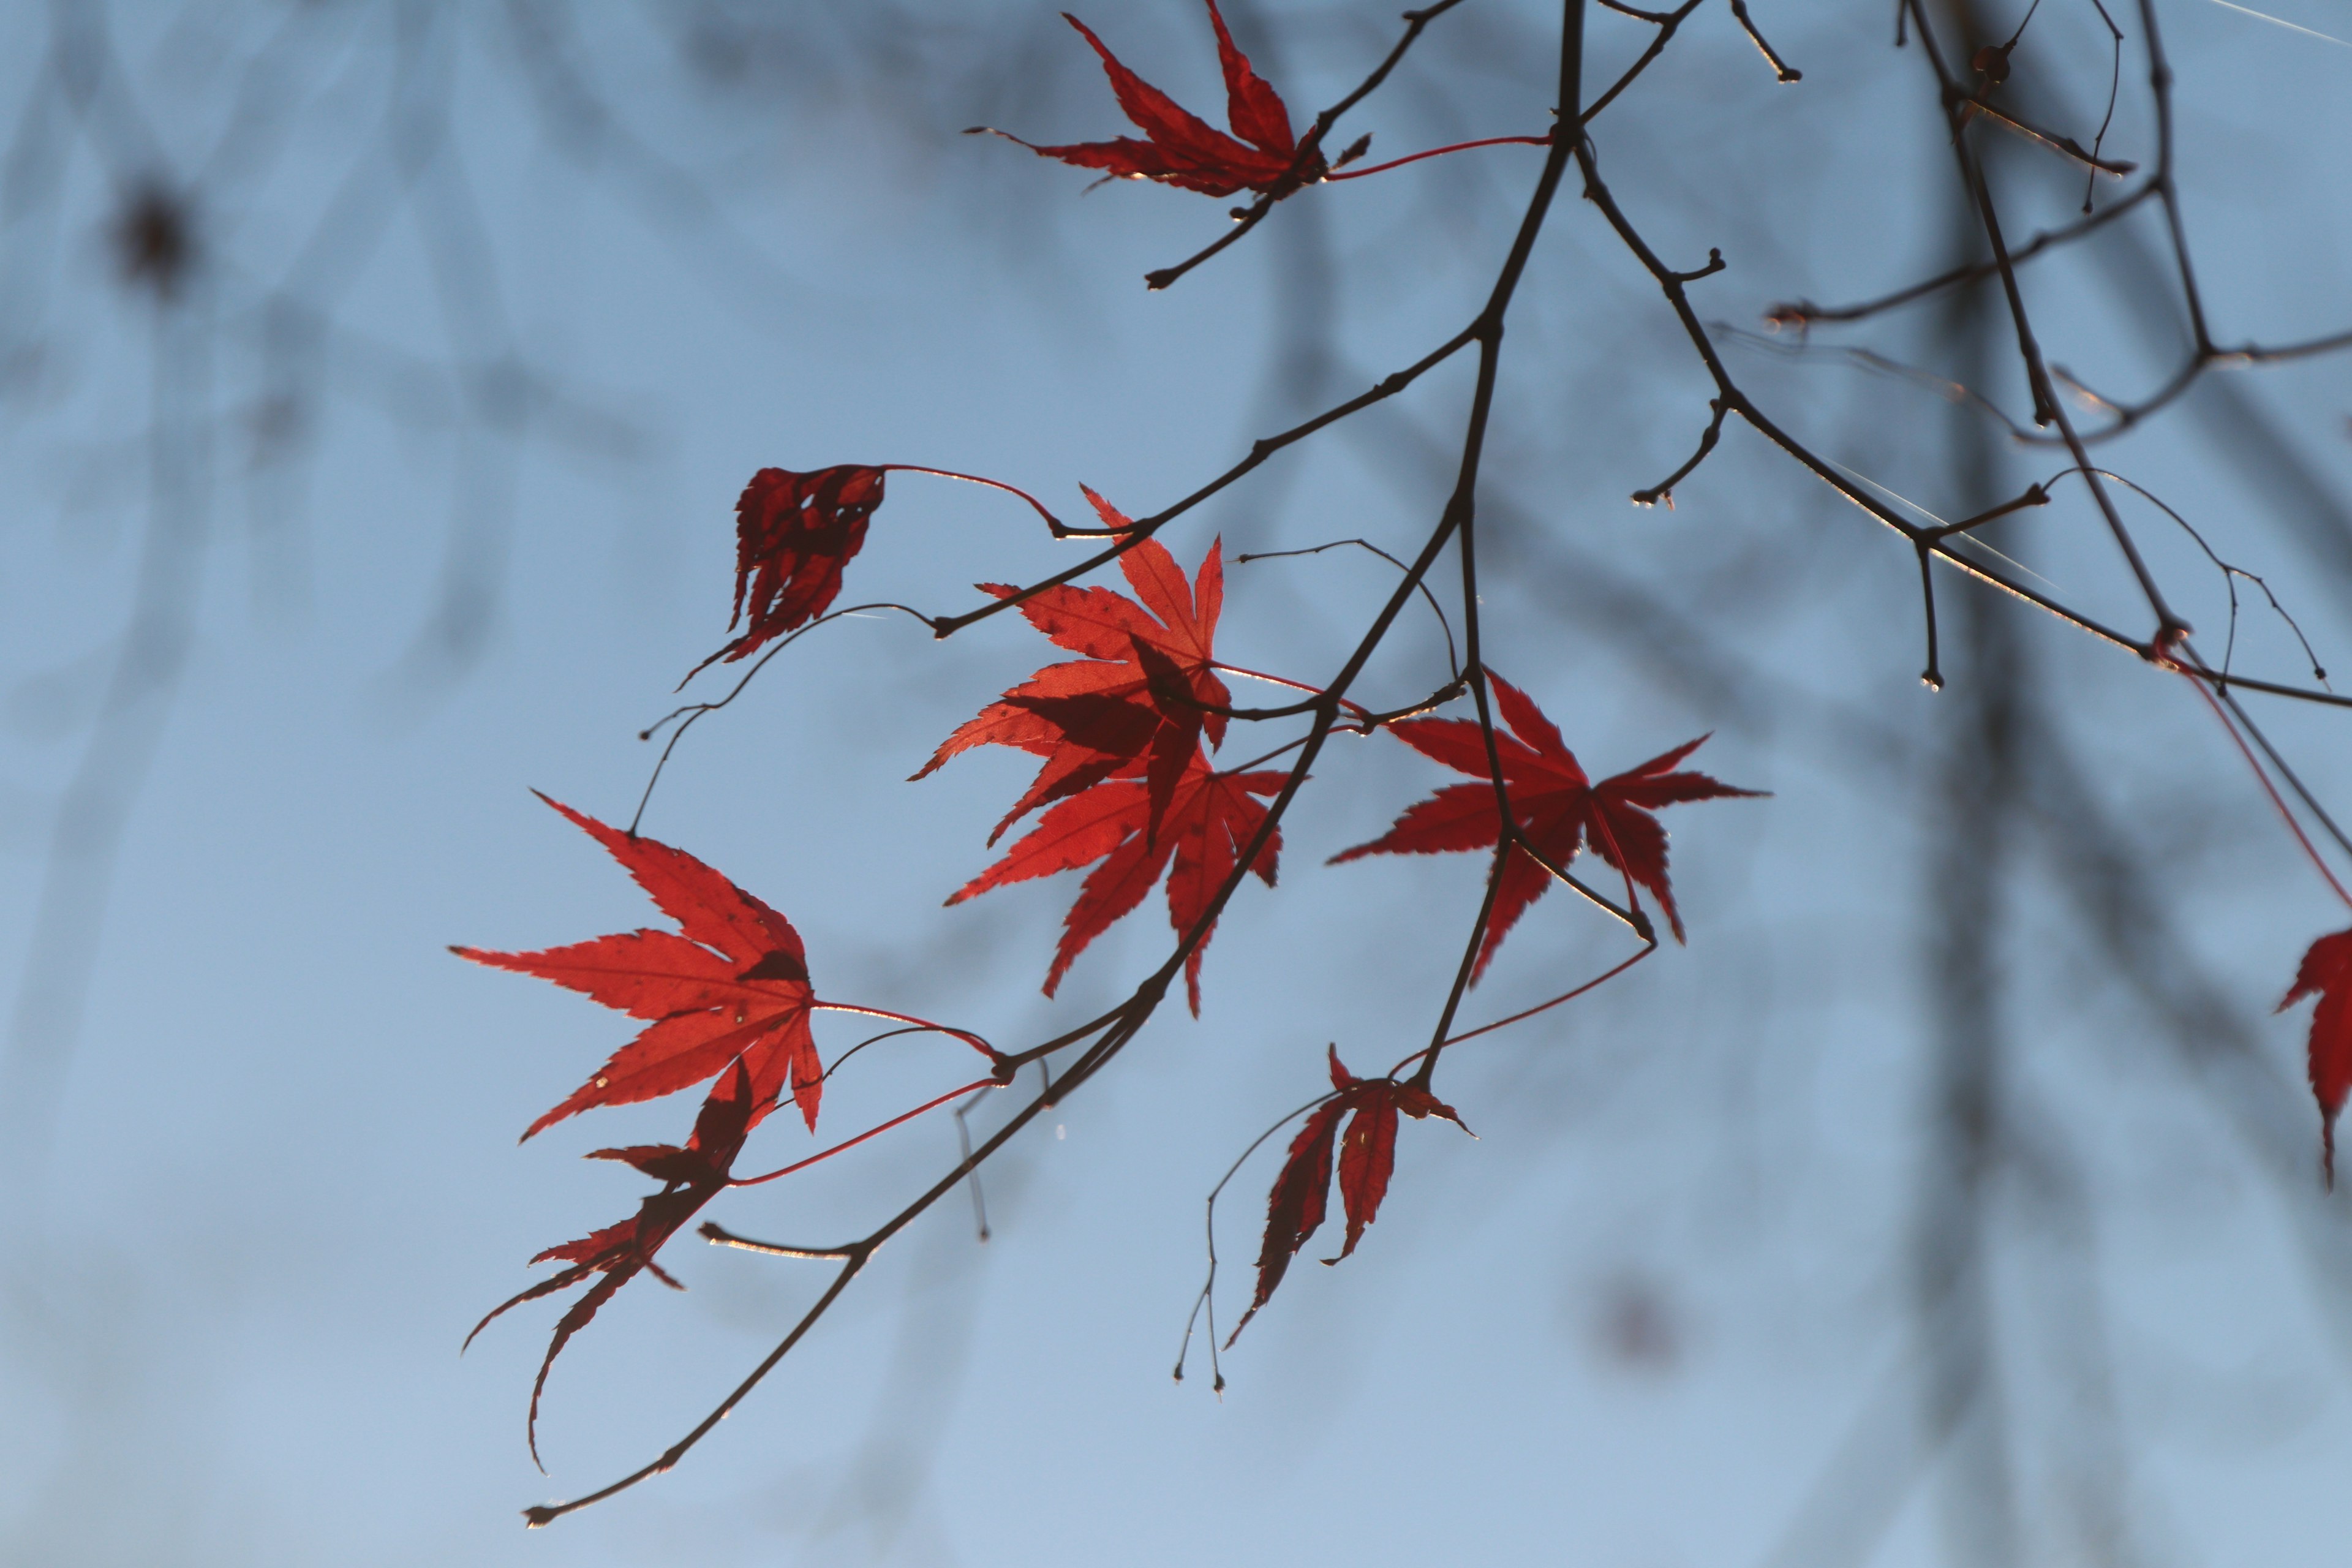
pixel 1658 1313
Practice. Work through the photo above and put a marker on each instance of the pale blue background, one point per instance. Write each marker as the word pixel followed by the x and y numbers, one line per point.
pixel 1632 1324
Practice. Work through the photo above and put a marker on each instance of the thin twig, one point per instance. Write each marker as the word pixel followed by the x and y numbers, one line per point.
pixel 1787 72
pixel 963 1148
pixel 1207 1298
pixel 1453 663
pixel 1977 106
pixel 1804 313
pixel 687 715
pixel 1665 489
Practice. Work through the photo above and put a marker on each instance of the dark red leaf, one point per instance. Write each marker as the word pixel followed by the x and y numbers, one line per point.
pixel 2327 973
pixel 1185 151
pixel 662 1162
pixel 1294 1209
pixel 793 534
pixel 1253 109
pixel 719 1131
pixel 695 1174
pixel 1367 1156
pixel 1367 1151
pixel 1559 808
pixel 1210 818
pixel 733 986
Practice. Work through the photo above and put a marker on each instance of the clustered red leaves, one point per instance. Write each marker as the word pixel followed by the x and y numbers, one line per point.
pixel 1143 696
pixel 1122 733
pixel 793 534
pixel 1559 810
pixel 1209 821
pixel 1183 150
pixel 1367 1155
pixel 728 993
pixel 2326 972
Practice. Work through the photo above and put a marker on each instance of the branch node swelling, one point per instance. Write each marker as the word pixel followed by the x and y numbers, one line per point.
pixel 1664 491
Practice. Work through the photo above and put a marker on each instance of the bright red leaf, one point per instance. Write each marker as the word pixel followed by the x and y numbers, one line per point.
pixel 2327 973
pixel 1367 1156
pixel 1135 703
pixel 1183 149
pixel 733 986
pixel 1559 808
pixel 693 1176
pixel 793 534
pixel 1209 820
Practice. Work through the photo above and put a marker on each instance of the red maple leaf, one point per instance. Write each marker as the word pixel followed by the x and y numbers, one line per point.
pixel 692 1175
pixel 1138 701
pixel 1184 150
pixel 1558 807
pixel 793 534
pixel 1209 820
pixel 2326 972
pixel 734 986
pixel 1295 1209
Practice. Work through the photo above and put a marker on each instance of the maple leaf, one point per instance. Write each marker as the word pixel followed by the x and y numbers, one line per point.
pixel 1367 1156
pixel 1209 820
pixel 1183 149
pixel 692 1175
pixel 734 986
pixel 2327 973
pixel 1140 699
pixel 1558 807
pixel 793 534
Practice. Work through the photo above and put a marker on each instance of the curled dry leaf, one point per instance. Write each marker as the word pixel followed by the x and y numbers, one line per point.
pixel 793 534
pixel 1560 810
pixel 1367 1157
pixel 732 984
pixel 2327 973
pixel 1185 151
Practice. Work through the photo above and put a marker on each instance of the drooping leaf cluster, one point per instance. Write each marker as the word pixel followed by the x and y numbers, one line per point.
pixel 1367 1158
pixel 727 995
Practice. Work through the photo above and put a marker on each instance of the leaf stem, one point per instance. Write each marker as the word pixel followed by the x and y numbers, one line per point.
pixel 1060 529
pixel 862 1137
pixel 966 1036
pixel 2198 678
pixel 1543 140
pixel 1597 981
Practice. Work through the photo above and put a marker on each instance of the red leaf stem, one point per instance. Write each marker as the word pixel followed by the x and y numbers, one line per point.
pixel 1055 523
pixel 2311 851
pixel 1544 141
pixel 966 1036
pixel 862 1137
pixel 1598 980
